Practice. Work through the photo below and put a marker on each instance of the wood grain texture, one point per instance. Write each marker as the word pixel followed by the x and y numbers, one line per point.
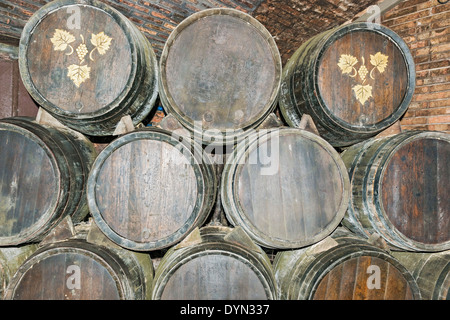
pixel 120 70
pixel 343 271
pixel 214 269
pixel 147 190
pixel 400 189
pixel 11 258
pixel 220 70
pixel 431 271
pixel 288 189
pixel 78 270
pixel 314 83
pixel 43 174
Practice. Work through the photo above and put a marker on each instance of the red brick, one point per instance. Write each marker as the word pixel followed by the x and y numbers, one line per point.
pixel 439 119
pixel 432 96
pixel 439 127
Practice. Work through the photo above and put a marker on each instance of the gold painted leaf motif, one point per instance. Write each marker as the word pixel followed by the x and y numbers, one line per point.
pixel 346 63
pixel 363 93
pixel 101 41
pixel 379 61
pixel 61 39
pixel 78 74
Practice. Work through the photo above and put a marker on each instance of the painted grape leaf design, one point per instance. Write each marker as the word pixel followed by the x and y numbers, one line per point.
pixel 61 39
pixel 346 63
pixel 379 61
pixel 363 93
pixel 78 74
pixel 101 42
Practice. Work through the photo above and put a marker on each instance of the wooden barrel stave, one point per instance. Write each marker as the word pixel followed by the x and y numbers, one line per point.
pixel 220 88
pixel 11 258
pixel 149 188
pixel 296 201
pixel 91 108
pixel 67 158
pixel 338 269
pixel 344 118
pixel 237 268
pixel 431 271
pixel 388 186
pixel 78 270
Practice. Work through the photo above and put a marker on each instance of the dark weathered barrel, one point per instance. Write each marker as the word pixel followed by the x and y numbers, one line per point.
pixel 149 188
pixel 88 65
pixel 11 258
pixel 354 80
pixel 220 74
pixel 43 176
pixel 286 187
pixel 431 271
pixel 215 263
pixel 400 189
pixel 78 270
pixel 343 267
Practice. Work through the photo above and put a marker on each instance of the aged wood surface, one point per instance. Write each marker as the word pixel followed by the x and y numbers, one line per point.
pixel 11 258
pixel 220 70
pixel 39 165
pixel 288 189
pixel 431 271
pixel 147 190
pixel 400 189
pixel 349 269
pixel 88 68
pixel 355 81
pixel 77 270
pixel 216 268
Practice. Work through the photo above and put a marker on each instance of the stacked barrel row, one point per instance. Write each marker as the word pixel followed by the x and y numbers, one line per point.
pixel 155 193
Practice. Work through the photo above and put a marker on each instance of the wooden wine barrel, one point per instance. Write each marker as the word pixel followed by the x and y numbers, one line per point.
pixel 215 263
pixel 43 175
pixel 149 188
pixel 88 65
pixel 220 74
pixel 354 80
pixel 287 188
pixel 342 267
pixel 11 258
pixel 431 271
pixel 78 270
pixel 400 189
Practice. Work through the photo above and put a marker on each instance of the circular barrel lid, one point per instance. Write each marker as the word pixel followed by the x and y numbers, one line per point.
pixel 31 184
pixel 365 76
pixel 220 73
pixel 78 58
pixel 147 190
pixel 414 189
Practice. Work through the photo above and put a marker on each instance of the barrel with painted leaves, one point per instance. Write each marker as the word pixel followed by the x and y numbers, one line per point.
pixel 354 80
pixel 88 65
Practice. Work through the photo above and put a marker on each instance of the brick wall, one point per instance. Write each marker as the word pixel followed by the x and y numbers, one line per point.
pixel 425 27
